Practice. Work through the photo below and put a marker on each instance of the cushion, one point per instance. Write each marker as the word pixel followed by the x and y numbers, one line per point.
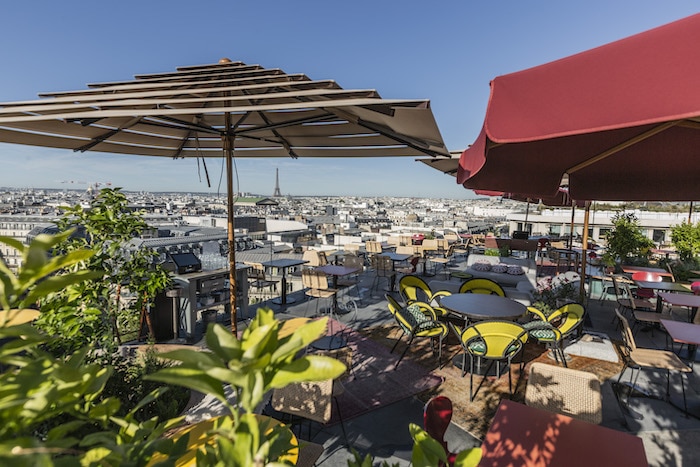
pixel 499 268
pixel 481 266
pixel 417 319
pixel 515 270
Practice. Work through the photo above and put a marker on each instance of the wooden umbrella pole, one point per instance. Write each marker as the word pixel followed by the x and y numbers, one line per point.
pixel 584 253
pixel 228 152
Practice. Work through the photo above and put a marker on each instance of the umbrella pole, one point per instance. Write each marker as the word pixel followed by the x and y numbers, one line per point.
pixel 571 231
pixel 584 253
pixel 228 149
pixel 690 213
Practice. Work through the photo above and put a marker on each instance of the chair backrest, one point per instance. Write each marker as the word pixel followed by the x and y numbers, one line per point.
pixel 430 244
pixel 565 391
pixel 310 400
pixel 312 257
pixel 437 415
pixel 413 288
pixel 646 276
pixel 352 261
pixel 627 335
pixel 352 247
pixel 499 338
pixel 373 246
pixel 313 279
pixel 404 250
pixel 571 316
pixel 536 314
pixel 322 258
pixel 481 285
pixel 632 303
pixel 384 266
pixel 617 281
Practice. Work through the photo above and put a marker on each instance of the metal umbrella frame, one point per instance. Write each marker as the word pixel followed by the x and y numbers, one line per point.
pixel 227 109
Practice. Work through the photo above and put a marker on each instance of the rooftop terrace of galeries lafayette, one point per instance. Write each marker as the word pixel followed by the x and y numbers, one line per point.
pixel 380 398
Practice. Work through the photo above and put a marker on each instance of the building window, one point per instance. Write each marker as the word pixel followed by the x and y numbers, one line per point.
pixel 659 236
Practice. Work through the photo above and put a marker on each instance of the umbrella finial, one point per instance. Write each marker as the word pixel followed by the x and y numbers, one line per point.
pixel 225 60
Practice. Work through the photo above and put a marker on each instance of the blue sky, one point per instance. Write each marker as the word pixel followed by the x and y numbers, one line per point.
pixel 445 51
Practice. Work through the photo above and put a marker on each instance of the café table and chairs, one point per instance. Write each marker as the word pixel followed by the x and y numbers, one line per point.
pixel 333 341
pixel 283 264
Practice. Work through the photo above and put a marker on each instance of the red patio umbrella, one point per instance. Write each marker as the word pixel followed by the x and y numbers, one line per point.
pixel 621 120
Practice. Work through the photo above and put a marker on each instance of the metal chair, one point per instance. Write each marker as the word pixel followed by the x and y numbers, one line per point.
pixel 414 289
pixel 481 285
pixel 554 329
pixel 417 321
pixel 496 341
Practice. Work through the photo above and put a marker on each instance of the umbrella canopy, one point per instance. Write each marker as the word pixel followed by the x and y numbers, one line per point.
pixel 225 109
pixel 622 120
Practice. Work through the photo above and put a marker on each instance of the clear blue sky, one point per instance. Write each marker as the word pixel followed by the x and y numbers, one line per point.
pixel 445 51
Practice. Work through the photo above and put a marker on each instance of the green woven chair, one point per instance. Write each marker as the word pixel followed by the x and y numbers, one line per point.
pixel 417 320
pixel 496 341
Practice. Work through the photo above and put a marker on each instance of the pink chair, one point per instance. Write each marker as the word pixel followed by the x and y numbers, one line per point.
pixel 437 415
pixel 646 277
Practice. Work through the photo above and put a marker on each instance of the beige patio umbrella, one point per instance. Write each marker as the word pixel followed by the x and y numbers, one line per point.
pixel 228 109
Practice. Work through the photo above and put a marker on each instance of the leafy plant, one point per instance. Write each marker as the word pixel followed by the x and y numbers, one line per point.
pixel 107 226
pixel 686 239
pixel 626 243
pixel 550 293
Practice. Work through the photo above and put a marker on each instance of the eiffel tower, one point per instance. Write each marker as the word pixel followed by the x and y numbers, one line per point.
pixel 277 192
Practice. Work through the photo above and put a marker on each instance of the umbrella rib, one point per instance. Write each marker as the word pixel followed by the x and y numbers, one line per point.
pixel 105 136
pixel 623 145
pixel 384 131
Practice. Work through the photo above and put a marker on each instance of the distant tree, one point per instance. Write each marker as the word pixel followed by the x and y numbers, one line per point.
pixel 626 243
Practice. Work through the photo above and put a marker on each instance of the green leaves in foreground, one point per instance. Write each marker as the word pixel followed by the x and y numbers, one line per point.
pixel 258 362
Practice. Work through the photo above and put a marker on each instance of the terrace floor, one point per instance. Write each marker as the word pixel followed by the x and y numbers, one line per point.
pixel 670 438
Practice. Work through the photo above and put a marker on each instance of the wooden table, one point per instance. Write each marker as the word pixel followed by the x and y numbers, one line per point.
pixel 683 299
pixel 684 333
pixel 283 264
pixel 526 436
pixel 479 307
pixel 659 271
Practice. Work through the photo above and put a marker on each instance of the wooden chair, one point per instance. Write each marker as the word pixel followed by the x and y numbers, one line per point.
pixel 316 285
pixel 565 391
pixel 639 359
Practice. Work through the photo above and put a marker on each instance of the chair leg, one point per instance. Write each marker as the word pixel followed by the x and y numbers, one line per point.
pixel 397 341
pixel 404 352
pixel 342 423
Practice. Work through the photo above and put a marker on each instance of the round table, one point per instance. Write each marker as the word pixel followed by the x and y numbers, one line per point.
pixel 479 307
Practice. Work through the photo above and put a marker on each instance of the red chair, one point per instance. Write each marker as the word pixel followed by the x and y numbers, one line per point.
pixel 646 277
pixel 437 415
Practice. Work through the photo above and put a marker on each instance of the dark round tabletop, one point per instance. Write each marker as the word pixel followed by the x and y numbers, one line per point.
pixel 482 306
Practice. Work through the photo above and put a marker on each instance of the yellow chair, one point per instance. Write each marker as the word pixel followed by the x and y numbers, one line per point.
pixel 413 289
pixel 490 340
pixel 417 321
pixel 553 330
pixel 480 285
